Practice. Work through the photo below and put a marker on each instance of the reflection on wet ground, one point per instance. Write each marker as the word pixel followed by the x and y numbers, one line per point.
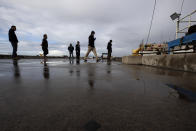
pixel 184 93
pixel 16 69
pixel 72 95
pixel 46 71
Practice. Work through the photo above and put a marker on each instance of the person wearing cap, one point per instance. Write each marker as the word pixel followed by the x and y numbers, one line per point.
pixel 13 40
pixel 91 46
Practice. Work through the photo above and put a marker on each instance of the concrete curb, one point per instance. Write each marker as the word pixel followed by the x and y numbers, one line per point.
pixel 184 62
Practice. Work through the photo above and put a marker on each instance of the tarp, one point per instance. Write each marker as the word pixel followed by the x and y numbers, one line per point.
pixel 186 39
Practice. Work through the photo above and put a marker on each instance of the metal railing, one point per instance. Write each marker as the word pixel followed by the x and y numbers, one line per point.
pixel 183 20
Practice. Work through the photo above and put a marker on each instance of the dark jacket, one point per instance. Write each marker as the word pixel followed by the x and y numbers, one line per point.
pixel 109 47
pixel 12 36
pixel 45 46
pixel 91 40
pixel 71 48
pixel 44 43
pixel 77 48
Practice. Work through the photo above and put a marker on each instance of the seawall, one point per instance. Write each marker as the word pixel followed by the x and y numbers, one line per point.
pixel 184 62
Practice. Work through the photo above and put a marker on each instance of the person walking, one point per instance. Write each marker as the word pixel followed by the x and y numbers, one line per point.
pixel 77 50
pixel 91 46
pixel 45 46
pixel 13 40
pixel 109 47
pixel 71 49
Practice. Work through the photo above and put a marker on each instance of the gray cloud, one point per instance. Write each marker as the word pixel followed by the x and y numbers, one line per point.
pixel 65 21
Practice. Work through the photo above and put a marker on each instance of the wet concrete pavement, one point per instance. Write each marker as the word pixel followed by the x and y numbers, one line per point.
pixel 67 96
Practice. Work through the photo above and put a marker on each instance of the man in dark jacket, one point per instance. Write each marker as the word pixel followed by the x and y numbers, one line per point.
pixel 45 45
pixel 13 40
pixel 77 50
pixel 91 46
pixel 109 47
pixel 71 49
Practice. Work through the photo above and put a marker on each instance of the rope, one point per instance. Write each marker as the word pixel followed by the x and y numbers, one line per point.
pixel 151 21
pixel 181 6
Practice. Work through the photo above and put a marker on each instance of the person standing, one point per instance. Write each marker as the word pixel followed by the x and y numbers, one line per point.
pixel 45 46
pixel 91 46
pixel 109 47
pixel 71 49
pixel 13 40
pixel 77 50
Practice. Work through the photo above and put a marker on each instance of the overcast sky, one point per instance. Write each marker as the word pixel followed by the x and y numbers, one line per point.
pixel 126 22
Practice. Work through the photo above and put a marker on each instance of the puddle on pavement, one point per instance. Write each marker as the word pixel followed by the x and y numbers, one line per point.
pixel 183 93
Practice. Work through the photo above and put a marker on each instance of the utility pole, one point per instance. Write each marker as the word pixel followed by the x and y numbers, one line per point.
pixel 177 27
